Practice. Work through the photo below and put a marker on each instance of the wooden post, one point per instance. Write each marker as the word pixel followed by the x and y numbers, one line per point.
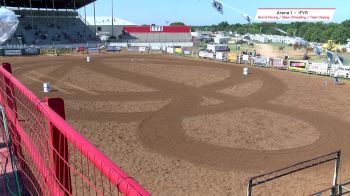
pixel 59 149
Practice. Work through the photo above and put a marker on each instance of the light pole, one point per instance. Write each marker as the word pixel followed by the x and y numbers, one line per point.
pixel 112 18
pixel 260 30
pixel 95 18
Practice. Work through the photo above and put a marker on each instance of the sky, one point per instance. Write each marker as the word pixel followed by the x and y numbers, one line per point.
pixel 200 12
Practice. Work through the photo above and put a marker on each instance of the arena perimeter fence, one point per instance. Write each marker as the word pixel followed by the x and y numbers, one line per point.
pixel 49 156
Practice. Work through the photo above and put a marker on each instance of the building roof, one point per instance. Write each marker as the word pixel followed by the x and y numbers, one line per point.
pixel 158 29
pixel 108 21
pixel 59 4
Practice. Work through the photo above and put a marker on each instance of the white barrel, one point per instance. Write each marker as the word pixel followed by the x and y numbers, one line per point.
pixel 245 71
pixel 88 59
pixel 46 87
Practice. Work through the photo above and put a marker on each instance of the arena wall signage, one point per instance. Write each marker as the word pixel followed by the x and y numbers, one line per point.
pixel 170 50
pixel 93 50
pixel 260 61
pixel 206 54
pixel 221 56
pixel 319 68
pixel 232 57
pixel 277 63
pixel 187 52
pixel 114 48
pixel 12 52
pixel 142 49
pixel 344 71
pixel 296 65
pixel 178 51
pixel 31 51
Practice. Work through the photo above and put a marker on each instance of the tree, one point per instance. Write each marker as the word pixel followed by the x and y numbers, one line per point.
pixel 177 24
pixel 310 31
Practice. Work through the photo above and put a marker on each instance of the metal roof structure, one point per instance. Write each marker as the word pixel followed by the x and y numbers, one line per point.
pixel 50 4
pixel 102 21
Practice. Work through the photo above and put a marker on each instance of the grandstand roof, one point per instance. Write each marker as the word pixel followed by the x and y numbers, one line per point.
pixel 108 21
pixel 59 4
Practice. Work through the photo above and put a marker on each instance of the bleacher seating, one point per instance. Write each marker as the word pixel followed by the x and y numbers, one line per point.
pixel 45 27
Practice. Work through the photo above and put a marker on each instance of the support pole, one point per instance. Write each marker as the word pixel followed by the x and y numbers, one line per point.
pixel 85 14
pixel 67 15
pixel 54 13
pixel 31 12
pixel 249 188
pixel 336 174
pixel 59 151
pixel 112 18
pixel 95 18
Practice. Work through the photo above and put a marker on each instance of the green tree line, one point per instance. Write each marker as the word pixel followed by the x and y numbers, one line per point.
pixel 312 32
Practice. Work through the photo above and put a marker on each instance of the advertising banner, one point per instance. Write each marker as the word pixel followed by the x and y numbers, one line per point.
pixel 142 49
pixel 93 50
pixel 221 56
pixel 30 51
pixel 187 52
pixel 178 51
pixel 206 54
pixel 260 61
pixel 232 57
pixel 170 50
pixel 296 65
pixel 245 57
pixel 12 52
pixel 318 68
pixel 344 71
pixel 277 63
pixel 112 48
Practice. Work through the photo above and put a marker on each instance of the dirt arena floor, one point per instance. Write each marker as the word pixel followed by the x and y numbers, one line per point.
pixel 184 126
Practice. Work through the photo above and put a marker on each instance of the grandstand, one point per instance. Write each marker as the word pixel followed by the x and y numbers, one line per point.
pixel 57 23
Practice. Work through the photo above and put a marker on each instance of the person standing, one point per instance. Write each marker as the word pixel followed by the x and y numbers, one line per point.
pixel 336 76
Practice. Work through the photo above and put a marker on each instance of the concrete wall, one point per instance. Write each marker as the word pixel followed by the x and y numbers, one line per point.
pixel 168 44
pixel 108 28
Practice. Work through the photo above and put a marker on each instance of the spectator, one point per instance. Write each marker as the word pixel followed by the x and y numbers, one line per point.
pixel 336 75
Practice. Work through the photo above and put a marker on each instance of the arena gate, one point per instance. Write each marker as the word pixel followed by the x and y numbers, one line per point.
pixel 48 156
pixel 333 191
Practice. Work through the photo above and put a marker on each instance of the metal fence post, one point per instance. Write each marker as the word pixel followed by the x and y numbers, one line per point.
pixel 336 173
pixel 11 104
pixel 59 149
pixel 249 188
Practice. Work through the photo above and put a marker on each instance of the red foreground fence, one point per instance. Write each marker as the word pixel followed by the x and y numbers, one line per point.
pixel 51 158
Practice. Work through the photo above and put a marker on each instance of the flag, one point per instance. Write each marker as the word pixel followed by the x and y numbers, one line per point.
pixel 317 51
pixel 218 6
pixel 280 30
pixel 330 56
pixel 247 18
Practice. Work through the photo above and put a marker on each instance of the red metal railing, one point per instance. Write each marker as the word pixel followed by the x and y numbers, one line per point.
pixel 52 158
